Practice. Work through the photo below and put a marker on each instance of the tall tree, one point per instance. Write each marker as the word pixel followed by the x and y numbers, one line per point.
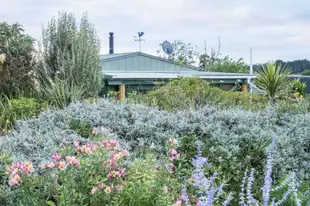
pixel 183 53
pixel 16 59
pixel 70 59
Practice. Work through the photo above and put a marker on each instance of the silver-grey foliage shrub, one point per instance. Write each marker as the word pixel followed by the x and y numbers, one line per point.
pixel 37 139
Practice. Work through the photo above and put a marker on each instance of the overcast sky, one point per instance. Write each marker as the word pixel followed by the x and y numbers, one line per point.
pixel 276 29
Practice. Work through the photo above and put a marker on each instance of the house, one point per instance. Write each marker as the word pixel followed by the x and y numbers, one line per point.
pixel 139 71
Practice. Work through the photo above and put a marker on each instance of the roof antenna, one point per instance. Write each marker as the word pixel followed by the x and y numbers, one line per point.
pixel 138 38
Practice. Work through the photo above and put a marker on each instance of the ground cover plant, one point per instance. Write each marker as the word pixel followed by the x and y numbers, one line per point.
pixel 234 139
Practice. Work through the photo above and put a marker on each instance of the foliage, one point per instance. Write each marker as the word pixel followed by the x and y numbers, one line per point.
pixel 69 66
pixel 88 174
pixel 273 79
pixel 306 72
pixel 183 53
pixel 225 64
pixel 234 135
pixel 61 93
pixel 16 60
pixel 19 109
pixel 188 93
pixel 148 183
pixel 215 63
pixel 298 87
pixel 297 66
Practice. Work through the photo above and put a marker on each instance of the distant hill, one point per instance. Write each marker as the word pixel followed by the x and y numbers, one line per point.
pixel 297 66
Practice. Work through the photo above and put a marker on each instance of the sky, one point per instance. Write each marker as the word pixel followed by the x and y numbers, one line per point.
pixel 275 29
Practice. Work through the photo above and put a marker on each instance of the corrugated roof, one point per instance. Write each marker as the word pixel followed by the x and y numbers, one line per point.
pixel 173 75
pixel 115 56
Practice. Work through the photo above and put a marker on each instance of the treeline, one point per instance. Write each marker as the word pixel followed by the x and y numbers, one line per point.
pixel 297 67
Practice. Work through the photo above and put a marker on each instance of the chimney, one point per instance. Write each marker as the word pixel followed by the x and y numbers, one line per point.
pixel 111 43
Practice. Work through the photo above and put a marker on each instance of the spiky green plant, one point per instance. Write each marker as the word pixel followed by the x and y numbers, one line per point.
pixel 273 79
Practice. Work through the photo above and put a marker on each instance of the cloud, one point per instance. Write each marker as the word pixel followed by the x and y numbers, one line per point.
pixel 275 29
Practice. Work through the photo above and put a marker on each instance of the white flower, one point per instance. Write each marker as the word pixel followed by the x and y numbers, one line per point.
pixel 2 58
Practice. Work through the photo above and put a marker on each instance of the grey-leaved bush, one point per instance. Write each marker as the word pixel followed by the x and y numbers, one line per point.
pixel 229 130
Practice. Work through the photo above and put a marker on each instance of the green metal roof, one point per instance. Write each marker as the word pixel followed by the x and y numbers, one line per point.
pixel 140 62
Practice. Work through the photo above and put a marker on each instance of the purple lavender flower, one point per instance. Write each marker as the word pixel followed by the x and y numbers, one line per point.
pixel 242 198
pixel 228 199
pixel 268 178
pixel 251 199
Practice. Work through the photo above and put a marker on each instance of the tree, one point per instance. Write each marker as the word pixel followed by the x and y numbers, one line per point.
pixel 273 79
pixel 306 72
pixel 214 63
pixel 183 54
pixel 297 66
pixel 69 67
pixel 16 60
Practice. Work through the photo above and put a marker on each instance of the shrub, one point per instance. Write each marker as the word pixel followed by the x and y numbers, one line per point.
pixel 306 72
pixel 298 87
pixel 234 138
pixel 273 79
pixel 16 60
pixel 188 93
pixel 20 109
pixel 69 68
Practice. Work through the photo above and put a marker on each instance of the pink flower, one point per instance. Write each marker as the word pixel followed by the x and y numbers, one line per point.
pixel 72 160
pixel 93 190
pixel 173 141
pixel 94 132
pixel 125 153
pixel 110 144
pixel 76 143
pixel 15 179
pixel 51 165
pixel 100 185
pixel 56 157
pixel 119 187
pixel 173 154
pixel 116 173
pixel 171 166
pixel 108 190
pixel 62 165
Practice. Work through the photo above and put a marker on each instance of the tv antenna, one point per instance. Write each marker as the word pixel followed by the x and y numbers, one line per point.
pixel 167 47
pixel 138 38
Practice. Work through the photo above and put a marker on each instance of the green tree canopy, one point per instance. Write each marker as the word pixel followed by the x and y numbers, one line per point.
pixel 16 59
pixel 183 53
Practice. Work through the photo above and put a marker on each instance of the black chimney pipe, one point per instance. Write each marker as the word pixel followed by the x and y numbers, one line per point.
pixel 111 43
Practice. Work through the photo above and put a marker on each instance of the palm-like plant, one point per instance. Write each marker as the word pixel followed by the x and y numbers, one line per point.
pixel 273 79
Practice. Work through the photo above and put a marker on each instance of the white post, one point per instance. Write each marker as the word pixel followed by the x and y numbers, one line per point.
pixel 251 69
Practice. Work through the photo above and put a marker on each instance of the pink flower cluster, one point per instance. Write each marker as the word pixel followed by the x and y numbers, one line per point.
pixel 88 148
pixel 118 173
pixel 60 163
pixel 15 169
pixel 116 155
pixel 110 144
pixel 173 154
